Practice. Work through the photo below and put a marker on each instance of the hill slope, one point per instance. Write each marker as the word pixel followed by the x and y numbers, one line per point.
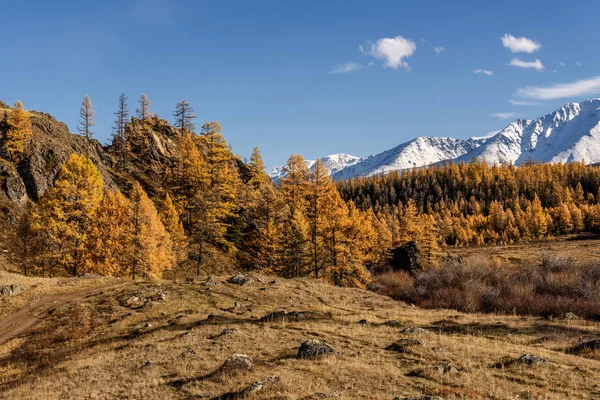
pixel 167 340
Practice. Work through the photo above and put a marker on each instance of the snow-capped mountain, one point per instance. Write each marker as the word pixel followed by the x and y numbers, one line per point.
pixel 418 152
pixel 333 162
pixel 571 133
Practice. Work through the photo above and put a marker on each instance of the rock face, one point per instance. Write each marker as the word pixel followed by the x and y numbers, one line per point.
pixel 313 349
pixel 50 147
pixel 154 146
pixel 407 257
pixel 10 290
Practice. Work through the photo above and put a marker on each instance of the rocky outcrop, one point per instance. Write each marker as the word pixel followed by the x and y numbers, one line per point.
pixel 50 146
pixel 407 257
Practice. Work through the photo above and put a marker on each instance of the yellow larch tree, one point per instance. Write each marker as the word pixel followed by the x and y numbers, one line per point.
pixel 151 244
pixel 67 210
pixel 17 131
pixel 109 240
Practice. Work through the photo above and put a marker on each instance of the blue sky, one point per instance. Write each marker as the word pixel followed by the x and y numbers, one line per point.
pixel 307 77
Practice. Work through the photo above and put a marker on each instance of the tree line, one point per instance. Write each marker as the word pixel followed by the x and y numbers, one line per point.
pixel 476 203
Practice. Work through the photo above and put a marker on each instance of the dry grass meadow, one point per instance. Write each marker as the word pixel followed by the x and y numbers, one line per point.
pixel 99 338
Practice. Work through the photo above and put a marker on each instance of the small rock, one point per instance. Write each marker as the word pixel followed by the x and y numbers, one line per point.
pixel 392 322
pixel 439 350
pixel 363 322
pixel 591 345
pixel 447 369
pixel 414 330
pixel 225 332
pixel 403 345
pixel 188 352
pixel 10 290
pixel 313 349
pixel 148 364
pixel 236 363
pixel 241 279
pixel 530 359
pixel 570 315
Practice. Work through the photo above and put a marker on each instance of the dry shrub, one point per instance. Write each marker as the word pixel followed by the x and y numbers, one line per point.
pixel 553 287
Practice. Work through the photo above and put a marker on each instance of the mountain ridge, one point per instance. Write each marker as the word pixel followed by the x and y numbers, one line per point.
pixel 570 133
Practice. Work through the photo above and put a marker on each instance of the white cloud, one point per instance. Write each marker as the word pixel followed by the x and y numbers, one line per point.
pixel 562 64
pixel 522 103
pixel 347 67
pixel 483 71
pixel 537 64
pixel 439 50
pixel 578 64
pixel 583 87
pixel 520 45
pixel 393 50
pixel 503 115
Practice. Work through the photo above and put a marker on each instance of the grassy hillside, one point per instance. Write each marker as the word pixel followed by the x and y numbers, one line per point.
pixel 167 340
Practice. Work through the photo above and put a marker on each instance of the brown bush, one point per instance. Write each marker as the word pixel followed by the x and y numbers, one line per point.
pixel 553 287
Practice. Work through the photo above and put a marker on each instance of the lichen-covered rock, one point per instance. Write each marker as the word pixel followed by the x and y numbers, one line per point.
pixel 10 290
pixel 236 363
pixel 531 359
pixel 313 349
pixel 241 279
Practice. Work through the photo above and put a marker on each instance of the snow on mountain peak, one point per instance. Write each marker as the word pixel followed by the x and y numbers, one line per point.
pixel 570 133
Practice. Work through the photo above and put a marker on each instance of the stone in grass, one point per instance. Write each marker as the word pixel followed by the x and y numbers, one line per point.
pixel 404 344
pixel 10 290
pixel 531 359
pixel 313 349
pixel 236 363
pixel 591 345
pixel 241 279
pixel 248 390
pixel 414 330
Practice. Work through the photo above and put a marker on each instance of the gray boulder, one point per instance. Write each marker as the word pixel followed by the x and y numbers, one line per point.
pixel 313 349
pixel 10 290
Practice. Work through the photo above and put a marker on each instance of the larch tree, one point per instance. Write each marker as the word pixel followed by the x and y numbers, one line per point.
pixel 67 210
pixel 151 244
pixel 86 117
pixel 184 117
pixel 295 185
pixel 323 202
pixel 143 112
pixel 170 219
pixel 109 239
pixel 119 137
pixel 17 131
pixel 294 245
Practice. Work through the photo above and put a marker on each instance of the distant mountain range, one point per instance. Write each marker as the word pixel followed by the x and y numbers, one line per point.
pixel 571 133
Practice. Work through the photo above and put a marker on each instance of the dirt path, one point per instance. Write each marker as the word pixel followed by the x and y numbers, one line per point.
pixel 33 313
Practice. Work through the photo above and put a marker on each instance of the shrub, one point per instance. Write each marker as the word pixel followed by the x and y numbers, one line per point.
pixel 553 287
